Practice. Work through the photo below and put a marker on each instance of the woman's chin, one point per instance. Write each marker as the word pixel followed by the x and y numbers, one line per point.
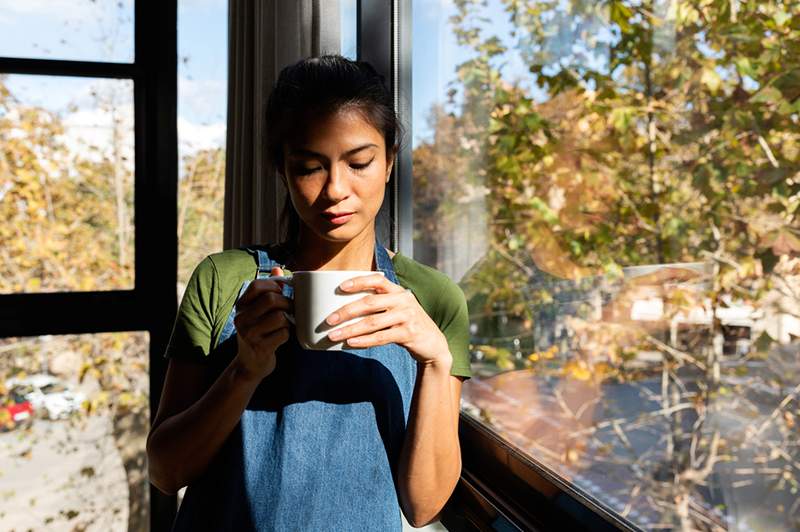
pixel 341 233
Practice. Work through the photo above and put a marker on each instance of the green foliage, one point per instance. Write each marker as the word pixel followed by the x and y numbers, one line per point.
pixel 664 142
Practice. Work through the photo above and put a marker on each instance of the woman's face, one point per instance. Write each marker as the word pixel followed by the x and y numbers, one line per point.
pixel 337 174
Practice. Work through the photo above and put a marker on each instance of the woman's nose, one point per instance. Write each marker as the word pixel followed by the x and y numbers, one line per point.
pixel 336 187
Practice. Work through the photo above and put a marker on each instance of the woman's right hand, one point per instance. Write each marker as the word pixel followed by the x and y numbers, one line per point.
pixel 261 326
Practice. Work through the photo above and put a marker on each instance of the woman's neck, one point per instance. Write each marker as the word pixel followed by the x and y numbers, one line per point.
pixel 314 253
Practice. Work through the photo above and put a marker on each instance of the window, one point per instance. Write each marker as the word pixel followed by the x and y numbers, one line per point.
pixel 78 30
pixel 88 182
pixel 67 184
pixel 202 113
pixel 614 185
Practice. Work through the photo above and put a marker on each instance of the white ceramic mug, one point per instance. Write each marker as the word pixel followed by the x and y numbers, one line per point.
pixel 317 296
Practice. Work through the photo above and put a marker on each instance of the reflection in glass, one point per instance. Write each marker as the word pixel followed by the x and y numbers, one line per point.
pixel 66 184
pixel 614 185
pixel 74 415
pixel 78 30
pixel 202 112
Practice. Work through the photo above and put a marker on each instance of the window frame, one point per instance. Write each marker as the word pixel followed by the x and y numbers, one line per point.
pixel 152 303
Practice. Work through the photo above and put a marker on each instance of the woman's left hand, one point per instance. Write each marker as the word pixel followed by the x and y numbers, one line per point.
pixel 391 315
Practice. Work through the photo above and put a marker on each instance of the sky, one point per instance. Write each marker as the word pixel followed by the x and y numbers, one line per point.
pixel 103 31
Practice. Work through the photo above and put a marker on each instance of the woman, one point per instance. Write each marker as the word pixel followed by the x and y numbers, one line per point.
pixel 269 436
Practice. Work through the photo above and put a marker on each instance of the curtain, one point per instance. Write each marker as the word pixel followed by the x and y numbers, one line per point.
pixel 263 37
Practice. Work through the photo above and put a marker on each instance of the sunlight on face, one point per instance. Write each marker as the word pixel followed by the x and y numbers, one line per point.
pixel 337 174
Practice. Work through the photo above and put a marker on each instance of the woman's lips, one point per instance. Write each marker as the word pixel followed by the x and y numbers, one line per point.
pixel 337 218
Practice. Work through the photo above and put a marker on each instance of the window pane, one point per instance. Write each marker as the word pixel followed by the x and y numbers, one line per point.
pixel 202 112
pixel 74 415
pixel 66 184
pixel 80 30
pixel 348 28
pixel 615 186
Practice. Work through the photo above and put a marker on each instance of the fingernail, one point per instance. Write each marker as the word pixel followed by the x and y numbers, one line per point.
pixel 347 284
pixel 334 335
pixel 333 318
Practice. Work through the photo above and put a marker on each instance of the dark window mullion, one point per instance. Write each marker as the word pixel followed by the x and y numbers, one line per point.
pixel 402 60
pixel 55 67
pixel 70 313
pixel 374 45
pixel 156 197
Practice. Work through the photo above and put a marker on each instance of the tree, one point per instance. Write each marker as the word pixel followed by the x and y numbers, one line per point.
pixel 654 132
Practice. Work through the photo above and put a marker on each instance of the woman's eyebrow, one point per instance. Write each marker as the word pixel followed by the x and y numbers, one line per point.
pixel 309 153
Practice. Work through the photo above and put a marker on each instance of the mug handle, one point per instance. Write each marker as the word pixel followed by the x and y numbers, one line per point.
pixel 288 280
pixel 280 278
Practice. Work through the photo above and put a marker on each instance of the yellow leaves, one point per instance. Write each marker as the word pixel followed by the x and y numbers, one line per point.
pixel 101 399
pixel 710 79
pixel 577 369
pixel 790 148
pixel 583 371
pixel 547 354
pixel 621 118
pixel 87 283
pixel 684 13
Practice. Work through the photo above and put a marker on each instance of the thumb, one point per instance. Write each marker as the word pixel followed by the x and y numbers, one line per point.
pixel 276 271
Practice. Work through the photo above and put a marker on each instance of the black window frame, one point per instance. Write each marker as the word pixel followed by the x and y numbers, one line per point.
pixel 152 303
pixel 500 487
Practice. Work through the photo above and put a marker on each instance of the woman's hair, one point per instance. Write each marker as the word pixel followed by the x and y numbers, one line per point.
pixel 317 87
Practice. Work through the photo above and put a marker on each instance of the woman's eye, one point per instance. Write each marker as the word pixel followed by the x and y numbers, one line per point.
pixel 357 167
pixel 307 171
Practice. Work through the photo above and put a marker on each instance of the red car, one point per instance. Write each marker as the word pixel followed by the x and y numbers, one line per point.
pixel 15 411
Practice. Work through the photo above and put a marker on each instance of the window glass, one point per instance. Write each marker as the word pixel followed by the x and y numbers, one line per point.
pixel 66 184
pixel 349 23
pixel 202 112
pixel 74 415
pixel 615 187
pixel 80 30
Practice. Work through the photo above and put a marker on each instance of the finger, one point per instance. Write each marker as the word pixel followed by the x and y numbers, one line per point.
pixel 270 322
pixel 268 302
pixel 257 288
pixel 277 337
pixel 376 282
pixel 386 336
pixel 367 305
pixel 369 324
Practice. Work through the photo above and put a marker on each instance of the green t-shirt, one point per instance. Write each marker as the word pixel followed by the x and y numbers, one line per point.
pixel 215 282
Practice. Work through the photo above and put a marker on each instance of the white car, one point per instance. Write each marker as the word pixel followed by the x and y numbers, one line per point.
pixel 48 394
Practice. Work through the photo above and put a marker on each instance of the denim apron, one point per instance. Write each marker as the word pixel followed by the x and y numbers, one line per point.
pixel 318 445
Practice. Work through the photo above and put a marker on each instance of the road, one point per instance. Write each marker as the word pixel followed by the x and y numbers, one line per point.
pixel 63 475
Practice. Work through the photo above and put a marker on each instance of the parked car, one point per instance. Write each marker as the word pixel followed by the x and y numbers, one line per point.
pixel 15 411
pixel 48 394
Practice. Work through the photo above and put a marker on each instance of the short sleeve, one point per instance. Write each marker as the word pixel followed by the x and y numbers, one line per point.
pixel 191 333
pixel 453 321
